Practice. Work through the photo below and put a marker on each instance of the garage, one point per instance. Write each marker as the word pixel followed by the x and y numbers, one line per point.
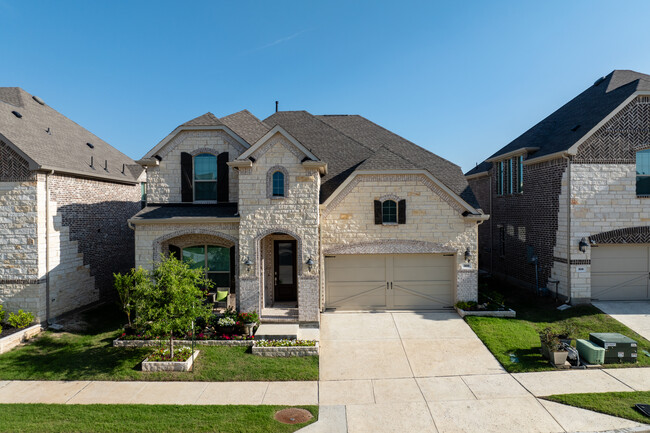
pixel 390 281
pixel 620 272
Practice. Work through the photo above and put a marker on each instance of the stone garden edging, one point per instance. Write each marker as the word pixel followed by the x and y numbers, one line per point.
pixel 151 343
pixel 286 351
pixel 10 341
pixel 485 313
pixel 169 365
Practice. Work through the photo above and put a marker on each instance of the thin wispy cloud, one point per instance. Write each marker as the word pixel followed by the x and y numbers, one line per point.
pixel 277 42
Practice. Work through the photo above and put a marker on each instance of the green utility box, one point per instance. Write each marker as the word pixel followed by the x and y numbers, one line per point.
pixel 618 348
pixel 590 352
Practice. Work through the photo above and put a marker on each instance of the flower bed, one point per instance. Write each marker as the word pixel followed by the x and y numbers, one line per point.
pixel 166 364
pixel 158 342
pixel 19 336
pixel 285 348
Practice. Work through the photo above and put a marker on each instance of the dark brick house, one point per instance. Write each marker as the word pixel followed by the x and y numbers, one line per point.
pixel 572 192
pixel 65 197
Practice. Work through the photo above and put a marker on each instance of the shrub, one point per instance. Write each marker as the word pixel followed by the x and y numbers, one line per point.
pixel 251 317
pixel 180 355
pixel 200 323
pixel 2 316
pixel 465 305
pixel 231 313
pixel 126 286
pixel 21 319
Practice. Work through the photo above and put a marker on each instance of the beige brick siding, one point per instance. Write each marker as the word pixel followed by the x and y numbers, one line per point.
pixel 164 181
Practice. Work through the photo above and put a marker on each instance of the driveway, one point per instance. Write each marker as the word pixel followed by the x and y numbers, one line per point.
pixel 633 314
pixel 430 372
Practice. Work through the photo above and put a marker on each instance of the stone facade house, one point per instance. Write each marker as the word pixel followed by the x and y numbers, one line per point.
pixel 299 213
pixel 568 198
pixel 65 197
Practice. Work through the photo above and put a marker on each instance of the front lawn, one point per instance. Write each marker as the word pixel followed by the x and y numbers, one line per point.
pixel 98 418
pixel 89 355
pixel 620 404
pixel 520 336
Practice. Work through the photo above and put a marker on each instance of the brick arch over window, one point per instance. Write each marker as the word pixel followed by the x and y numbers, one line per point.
pixel 269 180
pixel 223 239
pixel 628 235
pixel 283 231
pixel 204 150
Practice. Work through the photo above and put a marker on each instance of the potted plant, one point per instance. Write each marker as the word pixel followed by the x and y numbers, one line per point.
pixel 249 321
pixel 552 347
pixel 568 333
pixel 226 325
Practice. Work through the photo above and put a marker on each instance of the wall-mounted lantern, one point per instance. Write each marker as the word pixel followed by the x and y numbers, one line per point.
pixel 248 262
pixel 582 246
pixel 468 255
pixel 309 263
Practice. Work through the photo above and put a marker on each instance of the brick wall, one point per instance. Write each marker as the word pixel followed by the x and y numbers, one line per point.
pixel 12 166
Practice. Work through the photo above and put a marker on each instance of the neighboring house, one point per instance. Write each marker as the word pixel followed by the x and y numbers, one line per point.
pixel 65 197
pixel 592 158
pixel 299 213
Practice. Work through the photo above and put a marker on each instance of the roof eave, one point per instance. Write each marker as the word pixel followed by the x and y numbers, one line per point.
pixel 476 175
pixel 278 129
pixel 512 153
pixel 81 174
pixel 183 220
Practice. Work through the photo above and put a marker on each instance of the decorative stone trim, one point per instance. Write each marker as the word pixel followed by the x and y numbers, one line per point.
pixel 285 352
pixel 508 313
pixel 155 343
pixel 393 197
pixel 183 135
pixel 10 341
pixel 573 261
pixel 390 246
pixel 629 235
pixel 157 244
pixel 27 281
pixel 169 365
pixel 257 154
pixel 204 150
pixel 269 182
pixel 282 230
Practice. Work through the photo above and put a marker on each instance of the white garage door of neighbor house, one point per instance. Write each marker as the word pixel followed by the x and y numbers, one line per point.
pixel 390 281
pixel 620 272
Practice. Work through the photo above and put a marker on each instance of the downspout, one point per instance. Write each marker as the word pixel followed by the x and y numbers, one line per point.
pixel 491 230
pixel 568 226
pixel 47 247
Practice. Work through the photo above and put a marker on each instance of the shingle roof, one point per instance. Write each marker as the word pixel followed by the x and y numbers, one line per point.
pixel 207 119
pixel 246 125
pixel 52 140
pixel 558 131
pixel 166 211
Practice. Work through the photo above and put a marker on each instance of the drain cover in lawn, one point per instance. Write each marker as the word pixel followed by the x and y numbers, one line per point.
pixel 293 415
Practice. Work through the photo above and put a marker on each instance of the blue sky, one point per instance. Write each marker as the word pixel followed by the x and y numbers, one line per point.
pixel 459 78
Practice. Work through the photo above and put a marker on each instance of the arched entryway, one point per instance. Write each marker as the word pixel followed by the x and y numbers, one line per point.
pixel 280 269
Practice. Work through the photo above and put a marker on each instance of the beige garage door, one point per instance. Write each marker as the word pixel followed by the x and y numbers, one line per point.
pixel 385 281
pixel 620 272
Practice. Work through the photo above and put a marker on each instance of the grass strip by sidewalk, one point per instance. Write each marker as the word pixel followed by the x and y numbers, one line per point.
pixel 520 335
pixel 620 404
pixel 89 355
pixel 61 418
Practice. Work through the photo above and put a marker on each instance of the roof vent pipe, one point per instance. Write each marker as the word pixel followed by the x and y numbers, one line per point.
pixel 18 115
pixel 106 164
pixel 39 100
pixel 91 161
pixel 276 106
pixel 123 168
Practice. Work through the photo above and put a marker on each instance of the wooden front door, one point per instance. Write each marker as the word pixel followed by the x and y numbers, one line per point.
pixel 285 277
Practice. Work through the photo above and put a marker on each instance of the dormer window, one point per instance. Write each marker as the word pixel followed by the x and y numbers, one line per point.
pixel 389 212
pixel 205 177
pixel 278 184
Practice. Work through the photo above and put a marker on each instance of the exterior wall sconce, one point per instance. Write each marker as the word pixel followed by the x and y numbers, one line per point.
pixel 309 263
pixel 248 264
pixel 468 255
pixel 582 246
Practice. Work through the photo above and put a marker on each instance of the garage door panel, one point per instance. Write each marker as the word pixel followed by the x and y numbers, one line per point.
pixel 427 295
pixel 619 272
pixel 357 295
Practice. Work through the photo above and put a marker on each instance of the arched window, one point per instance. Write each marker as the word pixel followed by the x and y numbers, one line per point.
pixel 278 184
pixel 389 211
pixel 214 260
pixel 205 177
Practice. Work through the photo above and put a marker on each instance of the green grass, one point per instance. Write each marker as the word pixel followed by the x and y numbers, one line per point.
pixel 620 404
pixel 61 418
pixel 89 355
pixel 520 336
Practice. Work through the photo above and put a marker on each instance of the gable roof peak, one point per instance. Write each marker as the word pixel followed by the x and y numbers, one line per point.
pixel 207 119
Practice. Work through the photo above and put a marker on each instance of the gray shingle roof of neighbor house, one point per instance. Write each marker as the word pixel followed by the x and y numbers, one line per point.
pixel 53 142
pixel 571 122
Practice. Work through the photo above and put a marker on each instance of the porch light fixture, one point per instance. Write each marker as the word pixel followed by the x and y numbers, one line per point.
pixel 248 263
pixel 582 246
pixel 468 255
pixel 309 263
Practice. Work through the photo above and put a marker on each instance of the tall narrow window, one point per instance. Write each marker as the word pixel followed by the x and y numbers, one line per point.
pixel 278 184
pixel 499 168
pixel 389 212
pixel 509 187
pixel 643 172
pixel 205 177
pixel 520 174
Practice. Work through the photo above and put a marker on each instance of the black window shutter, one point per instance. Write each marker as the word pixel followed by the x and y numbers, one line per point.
pixel 176 251
pixel 187 194
pixel 401 212
pixel 232 269
pixel 378 212
pixel 222 177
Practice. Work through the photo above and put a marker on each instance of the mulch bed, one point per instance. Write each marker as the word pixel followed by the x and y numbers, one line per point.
pixel 293 415
pixel 7 330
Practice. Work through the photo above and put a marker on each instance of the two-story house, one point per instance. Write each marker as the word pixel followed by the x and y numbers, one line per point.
pixel 65 198
pixel 299 213
pixel 568 198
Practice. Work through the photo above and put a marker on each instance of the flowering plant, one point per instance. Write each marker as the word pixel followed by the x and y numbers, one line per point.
pixel 180 355
pixel 226 321
pixel 285 343
pixel 251 317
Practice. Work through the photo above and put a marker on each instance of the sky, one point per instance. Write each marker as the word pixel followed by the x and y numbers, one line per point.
pixel 460 78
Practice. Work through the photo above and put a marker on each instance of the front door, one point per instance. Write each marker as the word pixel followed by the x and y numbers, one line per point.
pixel 284 259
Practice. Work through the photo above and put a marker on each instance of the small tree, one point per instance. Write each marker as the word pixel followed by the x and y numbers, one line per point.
pixel 126 285
pixel 171 298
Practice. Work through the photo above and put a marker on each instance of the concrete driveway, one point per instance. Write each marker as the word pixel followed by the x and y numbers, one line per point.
pixel 633 314
pixel 430 372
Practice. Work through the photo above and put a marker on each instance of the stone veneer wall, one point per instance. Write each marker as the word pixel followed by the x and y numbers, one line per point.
pixel 295 215
pixel 164 181
pixel 93 215
pixel 431 216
